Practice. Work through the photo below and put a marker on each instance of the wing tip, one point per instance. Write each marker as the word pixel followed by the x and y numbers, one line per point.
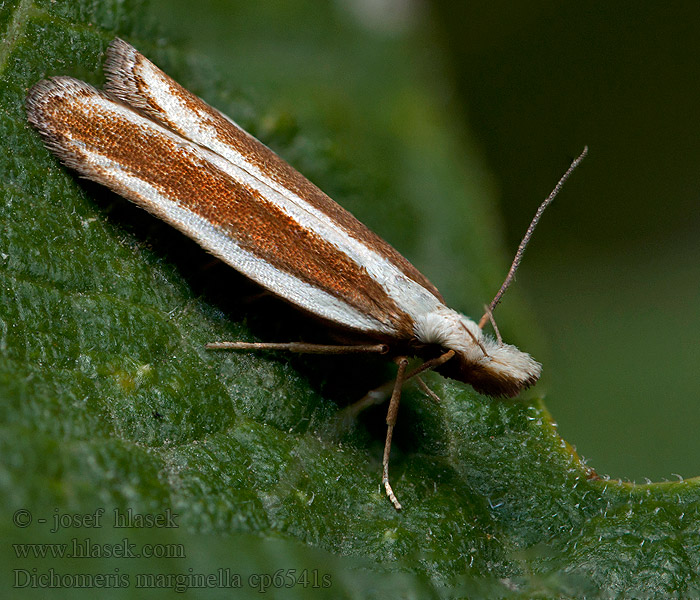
pixel 48 97
pixel 121 60
pixel 120 56
pixel 49 106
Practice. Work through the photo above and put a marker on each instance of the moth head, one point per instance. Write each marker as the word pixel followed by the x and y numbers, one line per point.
pixel 489 366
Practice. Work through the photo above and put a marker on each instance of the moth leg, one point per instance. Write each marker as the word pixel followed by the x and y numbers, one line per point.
pixel 390 422
pixel 381 393
pixel 431 364
pixel 426 390
pixel 393 411
pixel 301 347
pixel 373 397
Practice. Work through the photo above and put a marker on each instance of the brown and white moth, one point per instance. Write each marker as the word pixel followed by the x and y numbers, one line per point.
pixel 152 141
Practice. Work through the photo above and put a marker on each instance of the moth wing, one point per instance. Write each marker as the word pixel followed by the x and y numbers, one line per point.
pixel 155 143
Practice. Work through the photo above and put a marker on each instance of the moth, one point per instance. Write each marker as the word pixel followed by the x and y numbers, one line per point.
pixel 149 139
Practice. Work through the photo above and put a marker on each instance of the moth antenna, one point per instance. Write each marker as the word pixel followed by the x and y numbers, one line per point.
pixel 528 234
pixel 489 313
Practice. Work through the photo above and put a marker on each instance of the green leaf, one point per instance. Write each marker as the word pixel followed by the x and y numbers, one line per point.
pixel 110 401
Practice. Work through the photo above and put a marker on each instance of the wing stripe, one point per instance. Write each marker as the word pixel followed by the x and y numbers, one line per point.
pixel 136 158
pixel 134 79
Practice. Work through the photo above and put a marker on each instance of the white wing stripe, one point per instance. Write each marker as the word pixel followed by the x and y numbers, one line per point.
pixel 213 239
pixel 411 297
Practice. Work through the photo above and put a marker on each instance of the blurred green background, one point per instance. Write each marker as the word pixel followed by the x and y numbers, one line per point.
pixel 611 279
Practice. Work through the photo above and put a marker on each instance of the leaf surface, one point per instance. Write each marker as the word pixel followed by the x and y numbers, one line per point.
pixel 110 401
